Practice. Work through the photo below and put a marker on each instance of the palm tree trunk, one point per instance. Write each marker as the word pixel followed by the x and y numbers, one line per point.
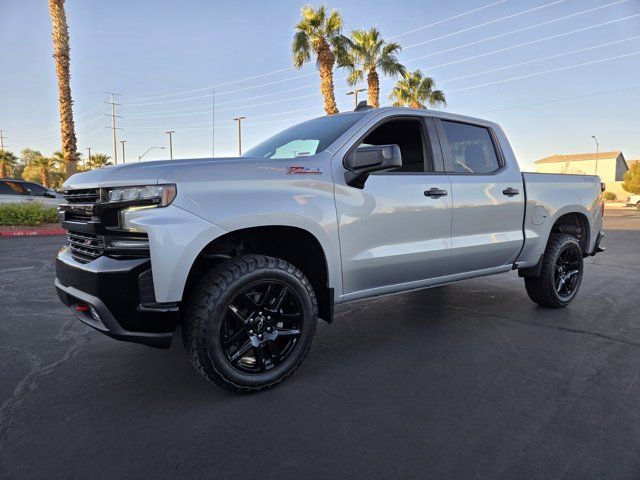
pixel 3 170
pixel 44 177
pixel 415 104
pixel 373 88
pixel 61 56
pixel 326 60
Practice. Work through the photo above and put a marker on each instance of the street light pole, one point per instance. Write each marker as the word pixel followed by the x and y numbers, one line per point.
pixel 239 120
pixel 597 152
pixel 123 142
pixel 355 92
pixel 148 150
pixel 89 148
pixel 170 133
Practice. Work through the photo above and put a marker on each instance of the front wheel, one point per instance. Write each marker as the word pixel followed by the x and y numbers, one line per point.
pixel 561 273
pixel 250 323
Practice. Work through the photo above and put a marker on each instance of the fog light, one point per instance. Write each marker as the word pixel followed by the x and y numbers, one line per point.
pixel 128 244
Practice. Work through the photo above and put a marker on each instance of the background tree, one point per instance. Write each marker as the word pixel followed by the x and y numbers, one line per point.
pixel 61 56
pixel 415 90
pixel 8 162
pixel 321 34
pixel 632 179
pixel 368 52
pixel 38 167
pixel 99 160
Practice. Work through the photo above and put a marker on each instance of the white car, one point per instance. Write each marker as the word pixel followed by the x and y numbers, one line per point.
pixel 13 190
pixel 633 201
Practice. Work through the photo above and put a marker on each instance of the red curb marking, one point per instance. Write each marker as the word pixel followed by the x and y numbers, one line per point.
pixel 32 232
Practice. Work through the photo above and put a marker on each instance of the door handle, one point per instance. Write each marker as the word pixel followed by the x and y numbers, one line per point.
pixel 510 192
pixel 435 193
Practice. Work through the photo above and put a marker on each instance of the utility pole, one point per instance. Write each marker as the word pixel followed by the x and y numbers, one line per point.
pixel 2 137
pixel 170 133
pixel 123 142
pixel 355 92
pixel 239 120
pixel 89 148
pixel 597 151
pixel 113 123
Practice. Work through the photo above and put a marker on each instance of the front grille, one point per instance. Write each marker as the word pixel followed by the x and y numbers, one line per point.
pixel 86 195
pixel 85 246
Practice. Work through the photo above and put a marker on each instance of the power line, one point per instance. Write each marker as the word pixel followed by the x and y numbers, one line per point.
pixel 493 37
pixel 281 70
pixel 535 60
pixel 524 12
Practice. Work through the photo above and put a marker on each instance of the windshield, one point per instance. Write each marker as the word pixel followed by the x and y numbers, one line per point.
pixel 307 138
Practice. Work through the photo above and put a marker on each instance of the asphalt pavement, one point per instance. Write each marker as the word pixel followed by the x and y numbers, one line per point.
pixel 470 380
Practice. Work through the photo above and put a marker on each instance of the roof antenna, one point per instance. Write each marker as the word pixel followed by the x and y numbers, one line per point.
pixel 362 106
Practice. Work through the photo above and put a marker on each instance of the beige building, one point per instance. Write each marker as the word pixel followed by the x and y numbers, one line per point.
pixel 611 167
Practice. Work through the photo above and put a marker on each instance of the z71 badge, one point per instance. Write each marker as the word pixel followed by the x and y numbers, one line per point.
pixel 298 170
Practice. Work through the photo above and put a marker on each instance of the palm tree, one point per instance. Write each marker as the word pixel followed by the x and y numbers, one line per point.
pixel 61 56
pixel 414 90
pixel 99 160
pixel 368 52
pixel 321 33
pixel 45 165
pixel 7 160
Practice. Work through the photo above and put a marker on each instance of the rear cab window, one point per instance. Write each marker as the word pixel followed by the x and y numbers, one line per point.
pixel 7 187
pixel 471 148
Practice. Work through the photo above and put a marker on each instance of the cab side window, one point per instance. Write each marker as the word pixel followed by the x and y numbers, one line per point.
pixel 35 189
pixel 471 148
pixel 408 134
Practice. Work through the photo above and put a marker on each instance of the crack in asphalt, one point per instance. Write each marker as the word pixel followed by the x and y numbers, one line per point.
pixel 29 383
pixel 555 327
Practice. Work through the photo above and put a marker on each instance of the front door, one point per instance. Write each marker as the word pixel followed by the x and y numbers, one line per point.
pixel 395 231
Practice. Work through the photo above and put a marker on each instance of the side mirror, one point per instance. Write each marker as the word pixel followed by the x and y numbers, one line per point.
pixel 366 160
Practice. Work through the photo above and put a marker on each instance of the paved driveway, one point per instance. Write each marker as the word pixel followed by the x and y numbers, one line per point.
pixel 470 380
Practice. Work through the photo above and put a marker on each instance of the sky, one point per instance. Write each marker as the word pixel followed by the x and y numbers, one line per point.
pixel 551 72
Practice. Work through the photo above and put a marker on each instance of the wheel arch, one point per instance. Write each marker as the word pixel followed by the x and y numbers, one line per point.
pixel 295 245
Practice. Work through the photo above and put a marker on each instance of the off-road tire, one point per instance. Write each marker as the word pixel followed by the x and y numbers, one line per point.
pixel 542 289
pixel 206 306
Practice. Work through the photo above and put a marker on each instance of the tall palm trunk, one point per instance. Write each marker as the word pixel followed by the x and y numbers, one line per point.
pixel 61 56
pixel 415 104
pixel 44 177
pixel 3 170
pixel 326 60
pixel 373 88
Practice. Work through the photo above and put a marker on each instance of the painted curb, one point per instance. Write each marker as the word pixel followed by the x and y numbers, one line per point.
pixel 33 232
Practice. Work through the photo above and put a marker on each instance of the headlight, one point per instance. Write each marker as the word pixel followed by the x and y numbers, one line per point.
pixel 158 195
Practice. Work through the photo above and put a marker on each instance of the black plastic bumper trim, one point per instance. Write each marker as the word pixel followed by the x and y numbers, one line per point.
pixel 108 325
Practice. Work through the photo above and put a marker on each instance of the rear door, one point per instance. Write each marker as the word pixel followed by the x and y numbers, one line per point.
pixel 487 196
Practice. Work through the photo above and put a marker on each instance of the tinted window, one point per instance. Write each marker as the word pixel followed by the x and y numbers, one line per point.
pixel 307 138
pixel 35 189
pixel 471 148
pixel 405 133
pixel 11 188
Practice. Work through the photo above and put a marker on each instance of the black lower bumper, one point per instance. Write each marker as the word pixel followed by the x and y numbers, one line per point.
pixel 113 296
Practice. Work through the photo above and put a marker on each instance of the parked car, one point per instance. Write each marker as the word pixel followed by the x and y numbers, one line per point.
pixel 13 190
pixel 633 201
pixel 246 253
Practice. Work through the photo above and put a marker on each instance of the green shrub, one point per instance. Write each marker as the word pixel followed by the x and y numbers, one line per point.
pixel 26 214
pixel 610 196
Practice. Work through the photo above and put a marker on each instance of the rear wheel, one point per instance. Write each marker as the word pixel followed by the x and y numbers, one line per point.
pixel 561 273
pixel 638 206
pixel 250 323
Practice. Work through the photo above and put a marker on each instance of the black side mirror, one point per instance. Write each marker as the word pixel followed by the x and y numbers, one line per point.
pixel 365 160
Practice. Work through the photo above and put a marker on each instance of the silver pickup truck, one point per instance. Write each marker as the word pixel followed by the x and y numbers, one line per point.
pixel 246 253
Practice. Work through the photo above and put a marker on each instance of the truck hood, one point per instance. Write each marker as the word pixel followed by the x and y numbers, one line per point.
pixel 170 171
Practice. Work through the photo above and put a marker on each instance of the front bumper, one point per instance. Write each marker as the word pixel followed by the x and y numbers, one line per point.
pixel 115 297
